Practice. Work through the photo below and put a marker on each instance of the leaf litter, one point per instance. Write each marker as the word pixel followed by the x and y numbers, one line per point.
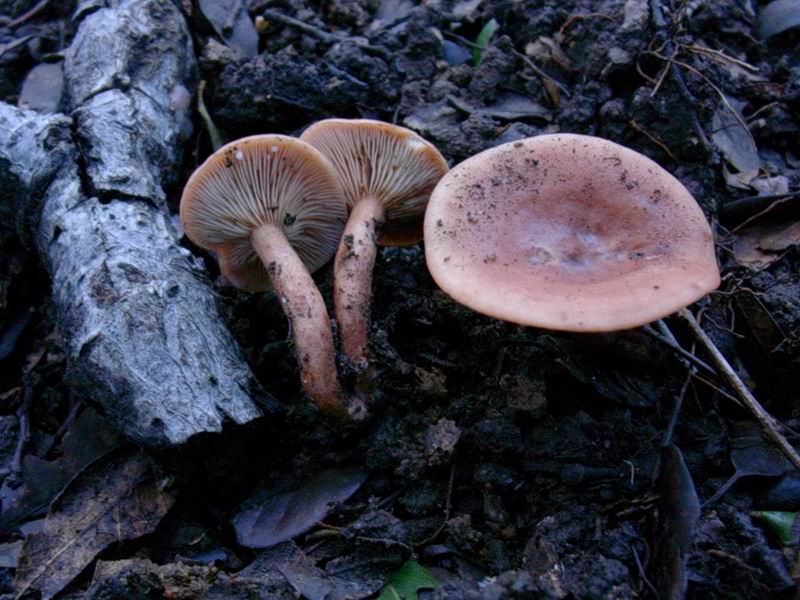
pixel 270 517
pixel 119 497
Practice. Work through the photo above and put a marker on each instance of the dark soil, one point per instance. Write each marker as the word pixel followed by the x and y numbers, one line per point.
pixel 512 462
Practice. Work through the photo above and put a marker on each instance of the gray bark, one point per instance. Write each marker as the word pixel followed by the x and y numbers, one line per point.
pixel 140 325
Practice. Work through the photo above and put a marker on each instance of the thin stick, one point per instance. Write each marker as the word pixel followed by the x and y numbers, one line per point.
pixel 320 34
pixel 652 138
pixel 719 55
pixel 666 439
pixel 678 349
pixel 766 420
pixel 539 73
pixel 30 14
pixel 447 507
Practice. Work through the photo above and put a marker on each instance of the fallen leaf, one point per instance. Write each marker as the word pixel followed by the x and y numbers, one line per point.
pixel 129 577
pixel 513 106
pixel 116 498
pixel 455 54
pixel 678 512
pixel 271 517
pixel 284 571
pixel 390 11
pixel 756 461
pixel 442 437
pixel 231 22
pixel 406 582
pixel 466 8
pixel 9 554
pixel 734 140
pixel 89 438
pixel 11 334
pixel 778 16
pixel 42 88
pixel 762 243
pixel 548 50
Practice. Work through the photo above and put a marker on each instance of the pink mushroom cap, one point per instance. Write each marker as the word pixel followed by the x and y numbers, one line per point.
pixel 568 232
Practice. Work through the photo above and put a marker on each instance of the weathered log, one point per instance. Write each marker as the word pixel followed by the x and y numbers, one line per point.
pixel 140 325
pixel 127 74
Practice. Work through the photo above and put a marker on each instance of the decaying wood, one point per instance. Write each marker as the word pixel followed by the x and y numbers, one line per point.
pixel 87 190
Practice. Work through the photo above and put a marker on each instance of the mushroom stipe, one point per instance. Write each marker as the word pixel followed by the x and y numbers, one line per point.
pixel 388 173
pixel 272 209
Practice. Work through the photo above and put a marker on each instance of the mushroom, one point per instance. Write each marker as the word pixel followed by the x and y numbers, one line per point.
pixel 576 233
pixel 568 232
pixel 272 209
pixel 388 173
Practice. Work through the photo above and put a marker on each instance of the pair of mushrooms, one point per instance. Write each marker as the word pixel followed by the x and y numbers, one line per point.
pixel 274 209
pixel 559 231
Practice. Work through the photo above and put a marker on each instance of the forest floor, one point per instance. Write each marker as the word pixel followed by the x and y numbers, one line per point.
pixel 509 462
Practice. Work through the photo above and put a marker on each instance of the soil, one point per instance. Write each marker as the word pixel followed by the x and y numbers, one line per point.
pixel 511 462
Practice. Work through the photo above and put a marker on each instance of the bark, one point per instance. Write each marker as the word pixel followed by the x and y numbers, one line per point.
pixel 140 325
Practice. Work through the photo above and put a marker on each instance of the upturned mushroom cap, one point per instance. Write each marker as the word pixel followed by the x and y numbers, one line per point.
pixel 568 232
pixel 258 180
pixel 385 161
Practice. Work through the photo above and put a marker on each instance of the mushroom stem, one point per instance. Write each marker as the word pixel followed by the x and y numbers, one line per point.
pixel 352 271
pixel 767 421
pixel 304 307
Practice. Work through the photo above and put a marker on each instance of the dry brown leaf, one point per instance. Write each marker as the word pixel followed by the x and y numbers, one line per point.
pixel 116 498
pixel 760 245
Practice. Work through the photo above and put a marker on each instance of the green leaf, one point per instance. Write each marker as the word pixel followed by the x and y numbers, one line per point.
pixel 779 521
pixel 407 581
pixel 483 40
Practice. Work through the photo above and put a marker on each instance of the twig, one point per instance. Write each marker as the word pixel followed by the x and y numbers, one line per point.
pixel 447 507
pixel 732 209
pixel 768 423
pixel 584 16
pixel 760 214
pixel 721 491
pixel 666 439
pixel 24 432
pixel 754 115
pixel 13 44
pixel 659 23
pixel 539 73
pixel 40 6
pixel 75 406
pixel 652 138
pixel 325 36
pixel 667 69
pixel 719 55
pixel 717 389
pixel 385 542
pixel 677 348
pixel 642 573
pixel 720 93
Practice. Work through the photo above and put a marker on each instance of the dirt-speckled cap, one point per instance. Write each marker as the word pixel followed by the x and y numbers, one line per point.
pixel 568 232
pixel 258 180
pixel 388 162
